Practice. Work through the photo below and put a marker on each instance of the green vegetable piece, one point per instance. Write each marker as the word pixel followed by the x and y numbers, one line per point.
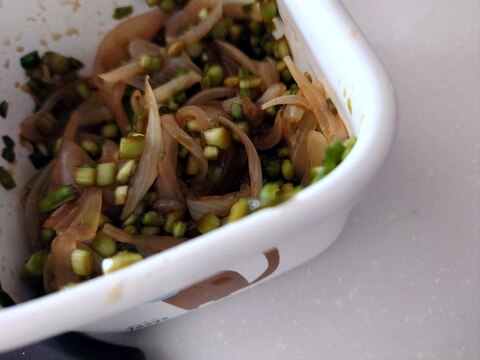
pixel 119 261
pixel 4 109
pixel 33 268
pixel 349 144
pixel 239 210
pixel 30 60
pixel 219 137
pixel 46 124
pixel 8 154
pixel 271 166
pixel 211 153
pixel 57 198
pixel 332 157
pixel 125 171
pixel 91 147
pixel 215 75
pixel 85 175
pixel 121 193
pixel 6 179
pixel 47 235
pixel 110 131
pixel 5 299
pixel 122 12
pixel 268 10
pixel 83 90
pixel 236 111
pixel 179 228
pixel 151 63
pixel 269 193
pixel 104 245
pixel 150 230
pixel 106 173
pixel 57 63
pixel 131 147
pixel 152 218
pixel 82 262
pixel 8 141
pixel 208 222
pixel 287 169
pixel 171 217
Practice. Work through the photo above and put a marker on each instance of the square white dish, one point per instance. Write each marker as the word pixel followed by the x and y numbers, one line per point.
pixel 324 41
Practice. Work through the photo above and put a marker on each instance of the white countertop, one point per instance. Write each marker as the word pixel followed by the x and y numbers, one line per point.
pixel 402 280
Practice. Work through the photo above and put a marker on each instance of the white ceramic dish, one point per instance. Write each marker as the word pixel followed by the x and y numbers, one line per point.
pixel 324 40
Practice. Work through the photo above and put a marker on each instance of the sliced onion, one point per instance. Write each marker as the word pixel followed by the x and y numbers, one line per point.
pixel 327 122
pixel 156 243
pixel 298 145
pixel 316 144
pixel 177 84
pixel 166 205
pixel 146 171
pixel 273 91
pixel 189 17
pixel 93 114
pixel 61 250
pixel 109 151
pixel 171 126
pixel 254 167
pixel 113 99
pixel 287 100
pixel 268 72
pixel 294 113
pixel 219 205
pixel 114 48
pixel 205 96
pixel 230 51
pixel 190 112
pixel 122 73
pixel 139 47
pixel 235 11
pixel 168 187
pixel 69 157
pixel 272 137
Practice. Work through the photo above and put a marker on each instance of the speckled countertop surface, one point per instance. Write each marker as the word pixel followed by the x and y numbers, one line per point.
pixel 402 281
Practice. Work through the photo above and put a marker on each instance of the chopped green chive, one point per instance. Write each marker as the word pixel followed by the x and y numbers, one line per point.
pixel 208 222
pixel 30 60
pixel 85 175
pixel 236 111
pixel 121 193
pixel 8 141
pixel 191 167
pixel 4 109
pixel 219 137
pixel 239 210
pixel 57 63
pixel 91 147
pixel 83 90
pixel 122 11
pixel 213 76
pixel 125 171
pixel 268 10
pixel 211 153
pixel 82 262
pixel 33 268
pixel 179 228
pixel 287 169
pixel 106 173
pixel 119 260
pixel 104 245
pixel 47 235
pixel 171 217
pixel 151 63
pixel 110 131
pixel 152 218
pixel 46 124
pixel 150 230
pixel 8 153
pixel 57 198
pixel 131 147
pixel 6 179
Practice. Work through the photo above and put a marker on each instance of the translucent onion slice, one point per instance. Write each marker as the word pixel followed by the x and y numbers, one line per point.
pixel 171 126
pixel 146 171
pixel 114 48
pixel 113 99
pixel 168 188
pixel 330 126
pixel 190 112
pixel 61 268
pixel 219 205
pixel 187 18
pixel 254 166
pixel 208 95
pixel 177 84
pixel 287 100
pixel 271 138
pixel 272 92
pixel 122 73
pixel 155 243
pixel 138 47
pixel 250 111
pixel 294 113
pixel 316 144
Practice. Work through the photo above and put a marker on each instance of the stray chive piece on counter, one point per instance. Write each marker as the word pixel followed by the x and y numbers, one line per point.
pixel 8 152
pixel 57 198
pixel 6 179
pixel 121 12
pixel 4 109
pixel 119 260
pixel 82 262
